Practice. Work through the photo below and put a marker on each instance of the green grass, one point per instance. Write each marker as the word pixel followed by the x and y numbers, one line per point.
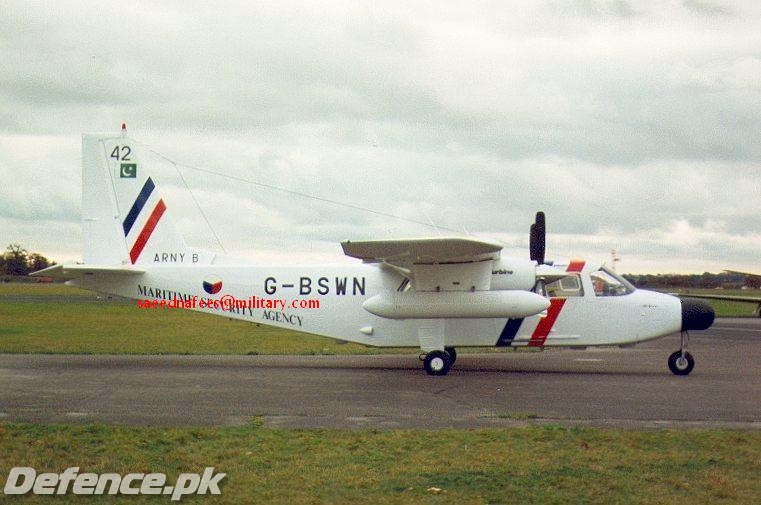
pixel 531 464
pixel 534 464
pixel 52 318
pixel 58 319
pixel 118 329
pixel 518 416
pixel 42 290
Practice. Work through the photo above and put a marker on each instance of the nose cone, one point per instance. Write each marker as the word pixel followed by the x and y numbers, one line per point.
pixel 696 314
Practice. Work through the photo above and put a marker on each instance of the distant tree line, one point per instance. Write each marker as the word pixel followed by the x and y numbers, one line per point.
pixel 705 280
pixel 18 261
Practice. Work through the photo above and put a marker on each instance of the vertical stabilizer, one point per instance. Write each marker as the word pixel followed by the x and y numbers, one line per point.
pixel 125 219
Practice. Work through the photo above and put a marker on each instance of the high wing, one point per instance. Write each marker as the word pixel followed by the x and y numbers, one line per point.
pixel 70 272
pixel 433 264
pixel 450 278
pixel 729 298
pixel 406 252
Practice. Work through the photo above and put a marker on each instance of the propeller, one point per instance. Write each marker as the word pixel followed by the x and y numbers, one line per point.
pixel 536 239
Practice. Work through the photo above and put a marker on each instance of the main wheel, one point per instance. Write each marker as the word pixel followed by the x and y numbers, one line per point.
pixel 452 355
pixel 681 365
pixel 437 363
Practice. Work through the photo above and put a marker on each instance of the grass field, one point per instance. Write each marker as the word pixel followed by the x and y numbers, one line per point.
pixel 534 464
pixel 54 318
pixel 531 464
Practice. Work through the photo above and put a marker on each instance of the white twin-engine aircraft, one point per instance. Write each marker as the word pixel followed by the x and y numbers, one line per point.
pixel 433 293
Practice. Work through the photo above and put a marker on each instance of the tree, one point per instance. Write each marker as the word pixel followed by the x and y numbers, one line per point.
pixel 37 261
pixel 16 258
pixel 18 261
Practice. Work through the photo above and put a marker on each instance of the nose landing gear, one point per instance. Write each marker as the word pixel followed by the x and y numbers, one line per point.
pixel 681 362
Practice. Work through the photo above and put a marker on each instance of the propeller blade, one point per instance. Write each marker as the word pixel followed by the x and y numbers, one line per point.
pixel 537 239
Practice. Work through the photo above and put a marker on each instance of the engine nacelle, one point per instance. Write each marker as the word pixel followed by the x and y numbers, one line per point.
pixel 513 273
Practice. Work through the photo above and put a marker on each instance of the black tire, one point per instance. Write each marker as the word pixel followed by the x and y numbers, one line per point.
pixel 679 367
pixel 437 363
pixel 452 355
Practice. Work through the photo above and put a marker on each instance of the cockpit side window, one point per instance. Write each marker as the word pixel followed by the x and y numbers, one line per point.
pixel 608 283
pixel 565 287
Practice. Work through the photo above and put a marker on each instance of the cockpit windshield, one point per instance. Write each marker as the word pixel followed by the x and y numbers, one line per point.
pixel 608 283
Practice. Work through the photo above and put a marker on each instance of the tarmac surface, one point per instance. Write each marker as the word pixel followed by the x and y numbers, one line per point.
pixel 601 387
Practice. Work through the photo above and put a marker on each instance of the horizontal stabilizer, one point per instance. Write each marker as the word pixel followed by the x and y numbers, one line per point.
pixel 749 274
pixel 69 272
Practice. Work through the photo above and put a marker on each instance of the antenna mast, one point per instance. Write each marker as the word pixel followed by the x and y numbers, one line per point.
pixel 614 259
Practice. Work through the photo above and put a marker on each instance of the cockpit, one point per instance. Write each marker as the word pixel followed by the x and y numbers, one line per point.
pixel 604 282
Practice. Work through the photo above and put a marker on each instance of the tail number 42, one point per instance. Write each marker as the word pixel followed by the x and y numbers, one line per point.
pixel 121 153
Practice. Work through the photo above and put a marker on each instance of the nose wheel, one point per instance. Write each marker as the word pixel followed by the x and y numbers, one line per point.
pixel 681 362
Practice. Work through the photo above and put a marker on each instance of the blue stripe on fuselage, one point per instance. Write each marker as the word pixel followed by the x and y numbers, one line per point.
pixel 509 332
pixel 145 193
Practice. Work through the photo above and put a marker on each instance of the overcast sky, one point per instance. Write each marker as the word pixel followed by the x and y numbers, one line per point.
pixel 636 126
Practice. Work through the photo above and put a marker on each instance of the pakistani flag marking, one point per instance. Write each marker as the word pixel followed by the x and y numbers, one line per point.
pixel 128 171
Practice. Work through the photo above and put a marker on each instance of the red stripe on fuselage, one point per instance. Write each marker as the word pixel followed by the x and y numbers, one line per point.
pixel 546 323
pixel 150 225
pixel 544 327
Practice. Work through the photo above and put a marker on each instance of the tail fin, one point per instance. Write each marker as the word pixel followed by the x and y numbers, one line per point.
pixel 124 218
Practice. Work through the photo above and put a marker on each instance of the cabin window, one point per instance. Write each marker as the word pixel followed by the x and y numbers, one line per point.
pixel 565 287
pixel 608 283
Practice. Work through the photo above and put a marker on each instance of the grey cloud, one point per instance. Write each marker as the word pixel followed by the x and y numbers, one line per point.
pixel 616 118
pixel 595 8
pixel 708 8
pixel 590 104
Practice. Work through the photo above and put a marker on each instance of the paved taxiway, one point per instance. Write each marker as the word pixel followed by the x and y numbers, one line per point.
pixel 618 387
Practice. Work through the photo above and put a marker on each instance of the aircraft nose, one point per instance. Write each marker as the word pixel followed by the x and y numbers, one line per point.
pixel 696 314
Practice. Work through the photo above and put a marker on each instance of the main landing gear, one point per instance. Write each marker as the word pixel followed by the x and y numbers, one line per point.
pixel 681 362
pixel 439 362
